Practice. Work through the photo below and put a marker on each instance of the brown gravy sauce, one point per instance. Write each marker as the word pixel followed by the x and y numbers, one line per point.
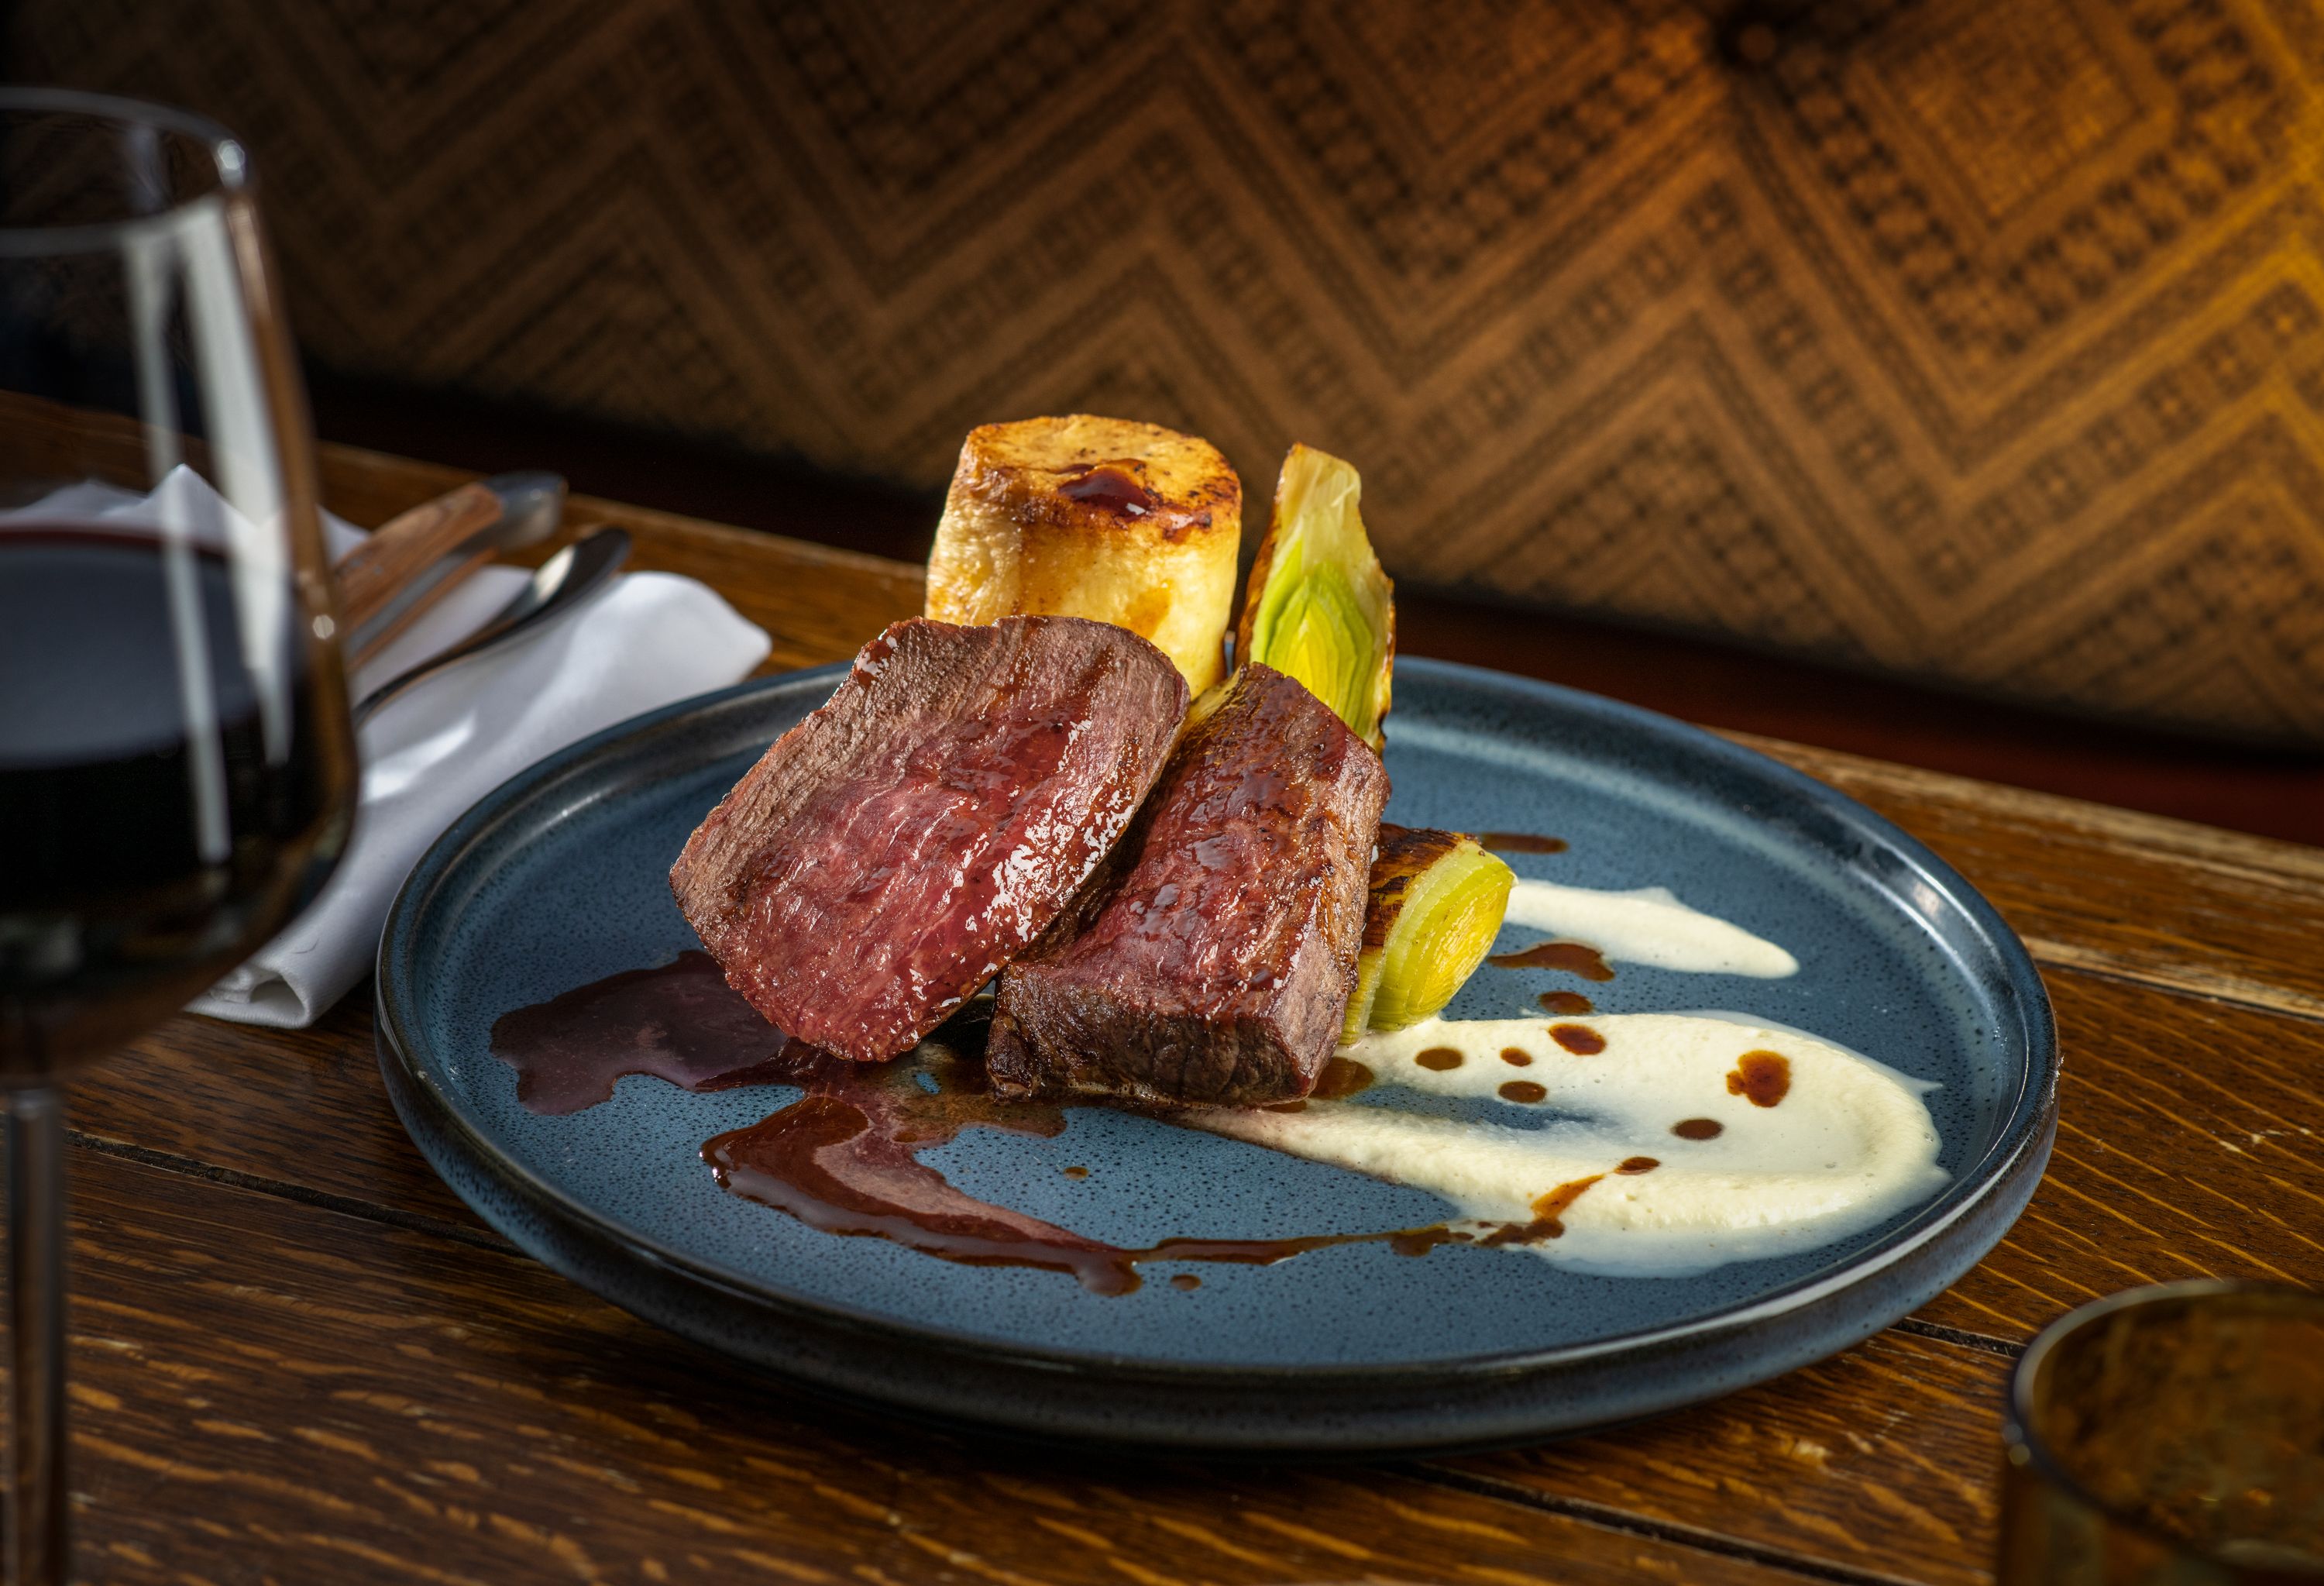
pixel 1342 1077
pixel 681 1022
pixel 1520 843
pixel 1566 1003
pixel 1440 1059
pixel 1548 1214
pixel 1524 1090
pixel 845 1157
pixel 844 1160
pixel 1698 1128
pixel 1572 957
pixel 1763 1078
pixel 1111 486
pixel 1578 1038
pixel 1516 1056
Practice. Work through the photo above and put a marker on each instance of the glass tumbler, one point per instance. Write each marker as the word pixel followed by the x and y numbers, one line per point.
pixel 2170 1436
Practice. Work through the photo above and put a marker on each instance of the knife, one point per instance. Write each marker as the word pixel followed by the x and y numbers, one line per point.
pixel 415 560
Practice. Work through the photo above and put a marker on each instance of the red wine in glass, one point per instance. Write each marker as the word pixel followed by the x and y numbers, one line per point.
pixel 154 832
pixel 175 768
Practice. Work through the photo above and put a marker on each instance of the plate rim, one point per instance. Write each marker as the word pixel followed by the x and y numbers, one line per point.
pixel 2027 1121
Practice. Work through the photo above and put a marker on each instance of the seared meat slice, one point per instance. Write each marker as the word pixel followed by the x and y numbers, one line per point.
pixel 1213 961
pixel 889 855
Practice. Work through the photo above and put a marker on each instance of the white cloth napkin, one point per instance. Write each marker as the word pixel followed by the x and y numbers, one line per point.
pixel 650 640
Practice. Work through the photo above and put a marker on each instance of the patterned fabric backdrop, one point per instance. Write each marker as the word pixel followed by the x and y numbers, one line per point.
pixel 1978 339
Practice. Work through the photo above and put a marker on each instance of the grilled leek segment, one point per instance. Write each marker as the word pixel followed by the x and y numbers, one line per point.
pixel 1318 607
pixel 1436 903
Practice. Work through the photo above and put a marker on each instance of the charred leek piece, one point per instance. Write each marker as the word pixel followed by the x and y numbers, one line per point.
pixel 1436 904
pixel 1318 607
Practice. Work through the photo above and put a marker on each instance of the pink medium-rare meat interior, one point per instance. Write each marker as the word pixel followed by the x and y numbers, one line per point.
pixel 904 843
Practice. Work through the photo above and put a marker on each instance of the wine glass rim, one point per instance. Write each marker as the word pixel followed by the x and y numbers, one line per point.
pixel 229 161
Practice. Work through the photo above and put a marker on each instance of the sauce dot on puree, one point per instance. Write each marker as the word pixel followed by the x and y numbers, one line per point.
pixel 1763 1078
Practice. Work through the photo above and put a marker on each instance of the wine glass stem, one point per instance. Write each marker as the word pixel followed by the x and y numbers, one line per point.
pixel 37 1551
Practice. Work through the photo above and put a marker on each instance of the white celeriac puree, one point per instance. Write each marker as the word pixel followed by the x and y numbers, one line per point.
pixel 1649 925
pixel 1848 1144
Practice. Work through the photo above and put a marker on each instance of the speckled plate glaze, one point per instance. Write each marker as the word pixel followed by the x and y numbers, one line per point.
pixel 558 877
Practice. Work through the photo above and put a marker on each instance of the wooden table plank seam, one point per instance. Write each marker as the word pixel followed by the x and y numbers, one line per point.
pixel 2240 856
pixel 2233 991
pixel 483 1238
pixel 1984 1342
pixel 1665 1531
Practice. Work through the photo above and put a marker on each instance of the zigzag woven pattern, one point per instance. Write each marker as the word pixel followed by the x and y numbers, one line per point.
pixel 1969 340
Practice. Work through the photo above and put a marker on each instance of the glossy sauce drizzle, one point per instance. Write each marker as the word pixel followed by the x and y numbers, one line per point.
pixel 845 1157
pixel 1565 1002
pixel 1698 1128
pixel 1573 958
pixel 680 1022
pixel 1111 486
pixel 1548 1214
pixel 1763 1078
pixel 1342 1077
pixel 845 1160
pixel 1578 1038
pixel 1520 843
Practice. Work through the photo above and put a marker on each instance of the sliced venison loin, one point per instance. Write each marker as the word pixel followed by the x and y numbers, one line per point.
pixel 1213 961
pixel 890 854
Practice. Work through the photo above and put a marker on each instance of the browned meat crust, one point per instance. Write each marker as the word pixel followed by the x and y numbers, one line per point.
pixel 1212 962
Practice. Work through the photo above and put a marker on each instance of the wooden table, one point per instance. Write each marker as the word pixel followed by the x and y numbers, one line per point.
pixel 298 1358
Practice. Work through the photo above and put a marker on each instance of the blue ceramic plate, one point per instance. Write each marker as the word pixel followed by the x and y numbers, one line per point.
pixel 559 879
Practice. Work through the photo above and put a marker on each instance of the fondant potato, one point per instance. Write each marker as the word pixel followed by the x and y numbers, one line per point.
pixel 1082 516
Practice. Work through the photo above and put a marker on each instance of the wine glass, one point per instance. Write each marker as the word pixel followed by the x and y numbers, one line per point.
pixel 176 769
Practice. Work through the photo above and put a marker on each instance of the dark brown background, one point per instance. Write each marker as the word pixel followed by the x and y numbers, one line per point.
pixel 1971 341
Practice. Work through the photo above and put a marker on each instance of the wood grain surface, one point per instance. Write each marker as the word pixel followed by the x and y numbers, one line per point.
pixel 266 1383
pixel 300 1357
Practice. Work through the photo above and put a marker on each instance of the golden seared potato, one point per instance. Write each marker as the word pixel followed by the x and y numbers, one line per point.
pixel 1080 516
